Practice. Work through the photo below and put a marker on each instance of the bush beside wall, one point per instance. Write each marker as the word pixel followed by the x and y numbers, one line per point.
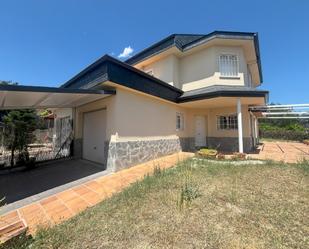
pixel 284 134
pixel 283 129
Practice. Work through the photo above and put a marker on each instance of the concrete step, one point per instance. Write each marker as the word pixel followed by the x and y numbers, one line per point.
pixel 12 230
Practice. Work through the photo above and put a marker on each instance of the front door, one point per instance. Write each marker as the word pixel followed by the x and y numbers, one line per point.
pixel 200 131
pixel 94 132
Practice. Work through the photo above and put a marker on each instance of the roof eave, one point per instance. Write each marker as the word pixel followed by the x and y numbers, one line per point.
pixel 217 94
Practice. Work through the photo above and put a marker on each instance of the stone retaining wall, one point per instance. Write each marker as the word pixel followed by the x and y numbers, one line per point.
pixel 124 154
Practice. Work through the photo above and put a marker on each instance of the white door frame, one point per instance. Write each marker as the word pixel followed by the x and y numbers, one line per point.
pixel 200 135
pixel 102 159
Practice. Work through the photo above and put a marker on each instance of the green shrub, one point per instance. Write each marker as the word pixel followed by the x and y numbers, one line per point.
pixel 283 129
pixel 284 134
pixel 207 153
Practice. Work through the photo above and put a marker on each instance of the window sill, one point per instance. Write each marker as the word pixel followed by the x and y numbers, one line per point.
pixel 230 77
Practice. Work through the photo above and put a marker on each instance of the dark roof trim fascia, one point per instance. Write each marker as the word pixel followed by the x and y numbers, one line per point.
pixel 258 55
pixel 172 38
pixel 21 88
pixel 219 35
pixel 107 58
pixel 142 73
pixel 223 93
pixel 109 69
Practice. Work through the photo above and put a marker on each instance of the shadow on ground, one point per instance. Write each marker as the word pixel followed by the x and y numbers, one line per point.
pixel 19 185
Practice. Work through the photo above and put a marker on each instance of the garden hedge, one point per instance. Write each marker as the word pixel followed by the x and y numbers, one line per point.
pixel 284 134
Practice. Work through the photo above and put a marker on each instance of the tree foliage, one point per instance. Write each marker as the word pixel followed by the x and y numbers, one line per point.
pixel 8 82
pixel 19 127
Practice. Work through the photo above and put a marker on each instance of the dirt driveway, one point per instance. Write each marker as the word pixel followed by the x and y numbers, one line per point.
pixel 290 152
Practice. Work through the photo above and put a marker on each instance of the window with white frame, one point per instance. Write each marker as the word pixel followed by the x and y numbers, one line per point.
pixel 179 121
pixel 228 65
pixel 227 122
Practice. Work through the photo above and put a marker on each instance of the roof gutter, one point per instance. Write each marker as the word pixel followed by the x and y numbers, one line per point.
pixel 223 93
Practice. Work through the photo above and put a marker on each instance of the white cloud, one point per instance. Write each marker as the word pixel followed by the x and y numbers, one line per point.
pixel 126 52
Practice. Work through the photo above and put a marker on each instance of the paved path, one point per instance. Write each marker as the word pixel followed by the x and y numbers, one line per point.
pixel 19 185
pixel 63 205
pixel 290 152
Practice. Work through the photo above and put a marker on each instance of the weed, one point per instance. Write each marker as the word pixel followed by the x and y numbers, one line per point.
pixel 157 171
pixel 188 193
pixel 247 206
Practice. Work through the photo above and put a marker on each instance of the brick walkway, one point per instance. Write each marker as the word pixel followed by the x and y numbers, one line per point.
pixel 290 152
pixel 63 205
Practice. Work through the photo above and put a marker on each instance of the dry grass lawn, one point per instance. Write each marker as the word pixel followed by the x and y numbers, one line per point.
pixel 195 205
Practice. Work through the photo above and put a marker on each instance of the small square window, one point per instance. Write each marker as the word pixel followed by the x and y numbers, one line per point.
pixel 179 122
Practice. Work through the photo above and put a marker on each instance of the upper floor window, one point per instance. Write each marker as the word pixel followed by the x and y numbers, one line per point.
pixel 179 122
pixel 228 122
pixel 228 64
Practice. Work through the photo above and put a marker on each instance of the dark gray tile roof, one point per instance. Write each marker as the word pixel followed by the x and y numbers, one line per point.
pixel 187 41
pixel 178 40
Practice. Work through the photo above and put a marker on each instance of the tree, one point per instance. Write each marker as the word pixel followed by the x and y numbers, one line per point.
pixel 8 82
pixel 19 127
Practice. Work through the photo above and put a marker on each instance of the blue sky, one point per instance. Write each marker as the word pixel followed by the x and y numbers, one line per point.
pixel 47 42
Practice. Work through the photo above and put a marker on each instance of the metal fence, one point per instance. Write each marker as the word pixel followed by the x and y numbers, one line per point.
pixel 49 144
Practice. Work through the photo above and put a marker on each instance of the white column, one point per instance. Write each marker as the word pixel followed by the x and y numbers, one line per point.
pixel 256 128
pixel 239 120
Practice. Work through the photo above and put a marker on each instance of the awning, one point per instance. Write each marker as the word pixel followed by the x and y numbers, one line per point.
pixel 291 111
pixel 20 97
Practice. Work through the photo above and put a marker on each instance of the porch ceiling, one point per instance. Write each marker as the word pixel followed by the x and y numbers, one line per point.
pixel 223 102
pixel 19 97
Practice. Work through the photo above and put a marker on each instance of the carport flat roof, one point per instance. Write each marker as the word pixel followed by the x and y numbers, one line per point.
pixel 17 97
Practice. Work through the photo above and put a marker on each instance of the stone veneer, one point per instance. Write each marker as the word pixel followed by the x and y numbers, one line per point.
pixel 124 154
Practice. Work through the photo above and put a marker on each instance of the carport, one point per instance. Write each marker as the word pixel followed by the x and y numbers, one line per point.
pixel 37 97
pixel 19 186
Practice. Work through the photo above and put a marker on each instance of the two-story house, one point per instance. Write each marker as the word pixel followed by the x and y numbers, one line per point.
pixel 182 93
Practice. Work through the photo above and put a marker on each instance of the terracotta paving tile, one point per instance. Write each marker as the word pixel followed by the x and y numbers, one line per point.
pixel 290 152
pixel 92 197
pixel 30 209
pixel 81 190
pixel 56 209
pixel 60 216
pixel 34 215
pixel 64 205
pixel 77 204
pixel 52 205
pixel 66 195
pixel 48 200
pixel 9 218
pixel 93 185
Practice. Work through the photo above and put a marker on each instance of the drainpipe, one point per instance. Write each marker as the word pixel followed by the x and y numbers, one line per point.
pixel 239 120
